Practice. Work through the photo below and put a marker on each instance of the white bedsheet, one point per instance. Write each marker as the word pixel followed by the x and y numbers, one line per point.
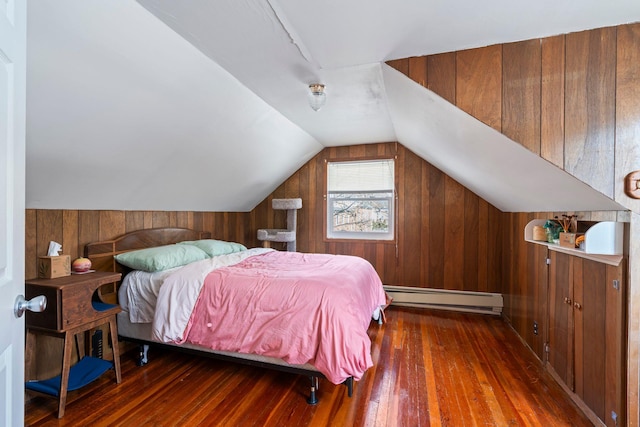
pixel 138 294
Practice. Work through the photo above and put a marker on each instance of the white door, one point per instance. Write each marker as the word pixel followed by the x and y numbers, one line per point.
pixel 13 15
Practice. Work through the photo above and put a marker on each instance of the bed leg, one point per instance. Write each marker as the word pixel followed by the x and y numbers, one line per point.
pixel 349 383
pixel 312 400
pixel 143 350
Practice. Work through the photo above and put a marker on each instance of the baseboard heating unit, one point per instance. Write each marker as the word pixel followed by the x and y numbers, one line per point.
pixel 474 302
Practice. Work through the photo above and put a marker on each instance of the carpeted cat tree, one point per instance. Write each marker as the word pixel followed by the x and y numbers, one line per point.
pixel 287 236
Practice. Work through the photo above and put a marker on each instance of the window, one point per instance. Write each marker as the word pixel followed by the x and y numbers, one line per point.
pixel 360 199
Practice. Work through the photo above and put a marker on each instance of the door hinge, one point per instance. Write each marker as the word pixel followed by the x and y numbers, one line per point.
pixel 548 261
pixel 616 284
pixel 546 348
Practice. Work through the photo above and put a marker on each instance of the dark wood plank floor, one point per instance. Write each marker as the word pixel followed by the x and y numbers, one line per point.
pixel 432 368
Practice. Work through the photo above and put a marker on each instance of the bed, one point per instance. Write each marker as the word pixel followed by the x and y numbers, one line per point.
pixel 306 314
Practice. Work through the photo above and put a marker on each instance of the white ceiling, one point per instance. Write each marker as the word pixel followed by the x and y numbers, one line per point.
pixel 201 105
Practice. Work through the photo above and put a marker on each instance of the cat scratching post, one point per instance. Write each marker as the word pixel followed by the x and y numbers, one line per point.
pixel 287 236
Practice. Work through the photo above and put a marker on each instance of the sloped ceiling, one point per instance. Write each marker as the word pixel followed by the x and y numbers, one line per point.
pixel 489 163
pixel 202 105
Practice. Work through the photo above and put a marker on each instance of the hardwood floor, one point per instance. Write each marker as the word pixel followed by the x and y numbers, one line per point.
pixel 432 368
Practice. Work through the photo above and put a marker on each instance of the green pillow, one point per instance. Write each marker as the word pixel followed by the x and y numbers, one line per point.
pixel 215 247
pixel 161 257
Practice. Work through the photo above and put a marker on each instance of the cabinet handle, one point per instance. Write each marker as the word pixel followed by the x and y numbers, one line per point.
pixel 577 306
pixel 567 301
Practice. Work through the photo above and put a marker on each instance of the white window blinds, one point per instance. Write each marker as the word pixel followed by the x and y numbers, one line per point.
pixel 366 175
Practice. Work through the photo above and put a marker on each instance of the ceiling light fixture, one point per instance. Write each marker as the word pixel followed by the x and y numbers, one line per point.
pixel 317 97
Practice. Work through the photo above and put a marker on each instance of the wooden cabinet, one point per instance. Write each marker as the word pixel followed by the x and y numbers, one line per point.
pixel 72 308
pixel 587 333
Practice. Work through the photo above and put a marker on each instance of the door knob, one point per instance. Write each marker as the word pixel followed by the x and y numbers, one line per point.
pixel 567 300
pixel 577 305
pixel 35 304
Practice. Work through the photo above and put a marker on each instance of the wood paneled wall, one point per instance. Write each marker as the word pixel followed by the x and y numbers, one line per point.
pixel 75 228
pixel 572 99
pixel 447 237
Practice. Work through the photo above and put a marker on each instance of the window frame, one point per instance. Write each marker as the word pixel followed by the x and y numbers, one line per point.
pixel 393 207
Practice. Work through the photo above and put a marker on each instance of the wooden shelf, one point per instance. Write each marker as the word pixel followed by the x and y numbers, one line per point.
pixel 603 242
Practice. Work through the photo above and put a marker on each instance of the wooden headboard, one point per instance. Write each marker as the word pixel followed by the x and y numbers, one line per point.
pixel 102 253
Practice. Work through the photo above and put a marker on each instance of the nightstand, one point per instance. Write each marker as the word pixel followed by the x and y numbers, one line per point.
pixel 72 308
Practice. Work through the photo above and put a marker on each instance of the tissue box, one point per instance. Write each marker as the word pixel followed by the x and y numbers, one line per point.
pixel 51 267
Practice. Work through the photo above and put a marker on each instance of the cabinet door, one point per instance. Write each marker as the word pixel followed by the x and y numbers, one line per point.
pixel 589 333
pixel 561 316
pixel 538 297
pixel 598 334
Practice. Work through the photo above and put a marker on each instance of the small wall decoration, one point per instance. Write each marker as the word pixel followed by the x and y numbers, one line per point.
pixel 632 185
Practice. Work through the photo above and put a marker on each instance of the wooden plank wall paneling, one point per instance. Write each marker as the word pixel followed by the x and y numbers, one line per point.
pixel 479 84
pixel 454 232
pixel 75 228
pixel 444 231
pixel 574 100
pixel 521 93
pixel 552 100
pixel 440 68
pixel 436 227
pixel 590 107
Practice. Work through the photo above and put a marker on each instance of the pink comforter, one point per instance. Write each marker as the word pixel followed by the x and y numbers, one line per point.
pixel 302 308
